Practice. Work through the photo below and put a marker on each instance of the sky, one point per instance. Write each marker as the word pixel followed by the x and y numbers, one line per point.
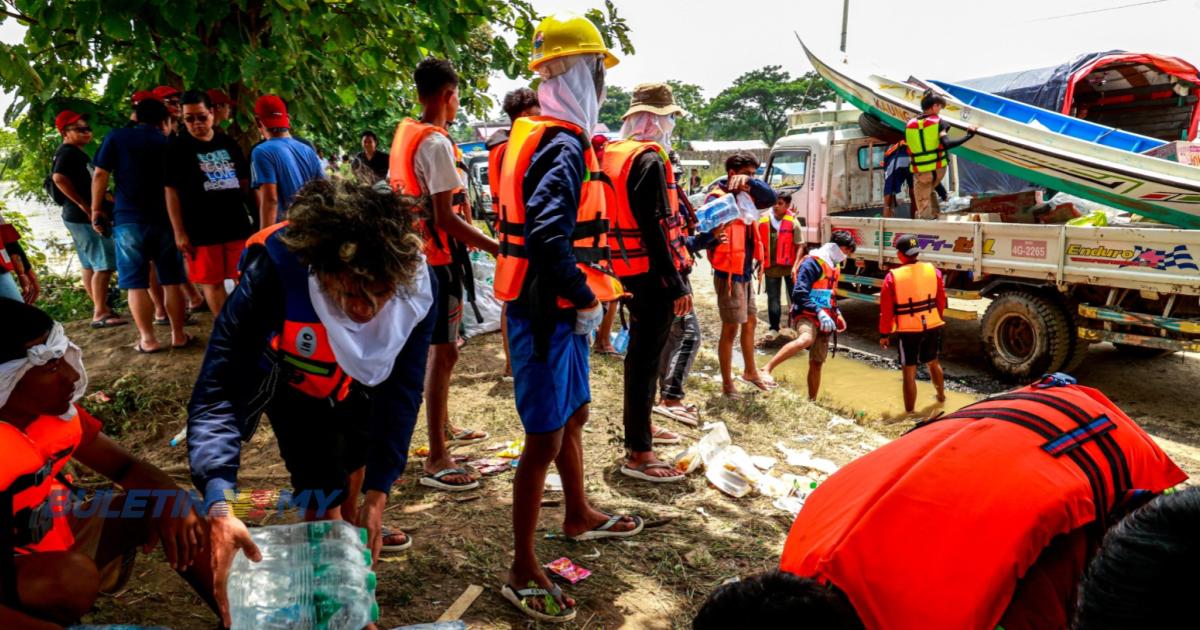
pixel 712 42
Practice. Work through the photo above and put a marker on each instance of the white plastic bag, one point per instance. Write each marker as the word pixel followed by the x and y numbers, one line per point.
pixel 484 269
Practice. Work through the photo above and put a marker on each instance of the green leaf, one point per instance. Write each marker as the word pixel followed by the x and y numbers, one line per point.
pixel 348 95
pixel 116 27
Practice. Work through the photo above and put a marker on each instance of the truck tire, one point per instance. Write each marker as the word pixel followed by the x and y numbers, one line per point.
pixel 1025 335
pixel 1078 347
pixel 1140 352
pixel 872 126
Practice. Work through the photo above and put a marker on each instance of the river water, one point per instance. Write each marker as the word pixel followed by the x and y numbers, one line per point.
pixel 46 229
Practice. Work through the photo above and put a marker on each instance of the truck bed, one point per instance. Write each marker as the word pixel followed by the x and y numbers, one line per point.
pixel 1145 259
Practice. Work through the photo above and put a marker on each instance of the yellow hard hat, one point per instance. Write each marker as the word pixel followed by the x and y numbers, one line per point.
pixel 568 34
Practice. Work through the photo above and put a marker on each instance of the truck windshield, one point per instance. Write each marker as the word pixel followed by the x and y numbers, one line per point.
pixel 788 168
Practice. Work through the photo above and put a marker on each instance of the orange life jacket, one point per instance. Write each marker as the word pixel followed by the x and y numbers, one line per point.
pixel 916 307
pixel 495 162
pixel 730 256
pixel 934 529
pixel 785 241
pixel 301 345
pixel 630 256
pixel 402 175
pixel 824 289
pixel 32 459
pixel 589 241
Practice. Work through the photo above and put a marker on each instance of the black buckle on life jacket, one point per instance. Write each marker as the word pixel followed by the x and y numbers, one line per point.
pixel 590 255
pixel 912 308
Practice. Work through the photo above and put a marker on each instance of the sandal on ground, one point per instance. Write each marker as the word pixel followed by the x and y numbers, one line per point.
pixel 190 321
pixel 109 321
pixel 678 414
pixel 202 307
pixel 639 472
pixel 464 436
pixel 188 341
pixel 519 598
pixel 762 385
pixel 734 395
pixel 664 437
pixel 142 350
pixel 435 480
pixel 388 532
pixel 605 530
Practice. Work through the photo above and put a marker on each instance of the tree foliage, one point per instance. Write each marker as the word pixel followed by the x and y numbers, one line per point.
pixel 615 104
pixel 693 126
pixel 757 103
pixel 341 65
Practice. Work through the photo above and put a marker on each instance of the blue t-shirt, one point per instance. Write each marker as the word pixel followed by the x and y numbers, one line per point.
pixel 287 163
pixel 136 156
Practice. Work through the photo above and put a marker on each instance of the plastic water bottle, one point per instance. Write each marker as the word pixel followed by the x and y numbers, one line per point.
pixel 716 213
pixel 313 576
pixel 620 340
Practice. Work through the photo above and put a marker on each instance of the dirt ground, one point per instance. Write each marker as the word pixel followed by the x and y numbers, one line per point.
pixel 697 537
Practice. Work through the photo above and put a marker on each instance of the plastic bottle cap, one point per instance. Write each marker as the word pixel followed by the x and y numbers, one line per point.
pixel 371 581
pixel 362 535
pixel 374 611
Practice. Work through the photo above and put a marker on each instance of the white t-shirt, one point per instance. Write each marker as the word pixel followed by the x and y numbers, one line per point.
pixel 434 165
pixel 775 223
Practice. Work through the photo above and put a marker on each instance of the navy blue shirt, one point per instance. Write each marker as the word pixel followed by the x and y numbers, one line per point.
pixel 809 272
pixel 552 188
pixel 135 156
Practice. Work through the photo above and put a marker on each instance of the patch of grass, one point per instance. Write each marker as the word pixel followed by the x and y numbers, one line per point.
pixel 131 403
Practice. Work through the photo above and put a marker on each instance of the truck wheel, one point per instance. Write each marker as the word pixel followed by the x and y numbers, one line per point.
pixel 872 126
pixel 1140 352
pixel 1024 335
pixel 1078 347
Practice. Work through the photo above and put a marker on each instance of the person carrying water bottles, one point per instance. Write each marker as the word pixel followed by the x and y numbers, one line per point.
pixel 328 332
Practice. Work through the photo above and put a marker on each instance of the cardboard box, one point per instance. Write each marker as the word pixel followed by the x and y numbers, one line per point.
pixel 1180 151
pixel 1061 213
pixel 1012 207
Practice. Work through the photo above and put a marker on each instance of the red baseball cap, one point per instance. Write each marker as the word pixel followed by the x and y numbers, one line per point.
pixel 142 95
pixel 164 92
pixel 272 112
pixel 219 97
pixel 64 118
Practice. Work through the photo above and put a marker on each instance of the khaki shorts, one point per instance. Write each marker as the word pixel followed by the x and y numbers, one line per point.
pixel 819 350
pixel 925 199
pixel 735 300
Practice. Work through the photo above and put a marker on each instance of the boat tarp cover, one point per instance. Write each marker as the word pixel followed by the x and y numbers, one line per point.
pixel 1054 88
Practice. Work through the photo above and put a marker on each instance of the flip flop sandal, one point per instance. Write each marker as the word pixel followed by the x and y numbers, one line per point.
pixel 665 441
pixel 677 414
pixel 435 480
pixel 388 532
pixel 201 308
pixel 518 597
pixel 190 321
pixel 108 321
pixel 605 529
pixel 189 341
pixel 142 350
pixel 461 438
pixel 639 473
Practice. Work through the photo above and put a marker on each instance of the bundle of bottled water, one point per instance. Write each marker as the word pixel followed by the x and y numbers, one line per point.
pixel 313 576
pixel 722 210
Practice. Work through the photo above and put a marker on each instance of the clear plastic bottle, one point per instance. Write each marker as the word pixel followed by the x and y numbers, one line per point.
pixel 313 576
pixel 716 213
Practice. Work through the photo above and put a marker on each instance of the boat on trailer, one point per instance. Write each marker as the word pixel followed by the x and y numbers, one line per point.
pixel 1092 161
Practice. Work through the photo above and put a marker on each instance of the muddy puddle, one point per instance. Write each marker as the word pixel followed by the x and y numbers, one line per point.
pixel 866 391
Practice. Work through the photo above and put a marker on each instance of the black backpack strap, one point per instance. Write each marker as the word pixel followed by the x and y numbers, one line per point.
pixel 8 548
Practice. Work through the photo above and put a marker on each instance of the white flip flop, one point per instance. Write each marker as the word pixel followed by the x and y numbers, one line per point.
pixel 639 473
pixel 605 529
pixel 517 597
pixel 435 480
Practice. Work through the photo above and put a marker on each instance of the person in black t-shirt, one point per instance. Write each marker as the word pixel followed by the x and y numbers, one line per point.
pixel 207 183
pixel 371 159
pixel 72 177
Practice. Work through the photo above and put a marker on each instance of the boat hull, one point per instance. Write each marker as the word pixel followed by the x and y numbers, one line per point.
pixel 1154 188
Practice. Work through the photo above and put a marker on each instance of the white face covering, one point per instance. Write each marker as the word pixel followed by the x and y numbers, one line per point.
pixel 57 346
pixel 831 253
pixel 570 94
pixel 649 127
pixel 368 351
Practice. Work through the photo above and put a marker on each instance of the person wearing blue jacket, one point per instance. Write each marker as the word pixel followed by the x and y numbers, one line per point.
pixel 328 332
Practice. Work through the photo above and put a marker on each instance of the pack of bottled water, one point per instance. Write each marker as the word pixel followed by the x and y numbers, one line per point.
pixel 313 576
pixel 716 213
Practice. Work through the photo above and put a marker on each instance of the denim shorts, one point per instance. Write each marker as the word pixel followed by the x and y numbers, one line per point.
pixel 548 391
pixel 139 245
pixel 96 252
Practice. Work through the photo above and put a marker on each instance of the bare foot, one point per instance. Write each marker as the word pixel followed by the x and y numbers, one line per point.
pixel 593 518
pixel 432 467
pixel 941 396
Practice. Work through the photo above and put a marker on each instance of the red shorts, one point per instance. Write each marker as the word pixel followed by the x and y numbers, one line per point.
pixel 214 264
